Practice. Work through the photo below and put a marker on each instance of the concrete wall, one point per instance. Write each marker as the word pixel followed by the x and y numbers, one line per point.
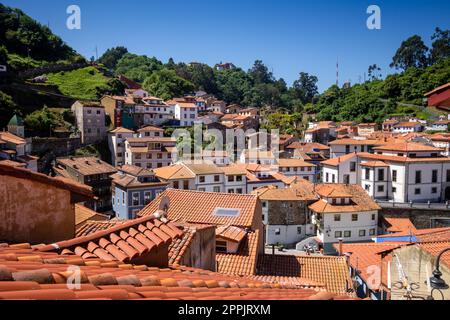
pixel 34 212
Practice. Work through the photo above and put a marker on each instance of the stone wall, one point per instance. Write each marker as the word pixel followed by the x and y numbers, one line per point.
pixel 59 146
pixel 287 212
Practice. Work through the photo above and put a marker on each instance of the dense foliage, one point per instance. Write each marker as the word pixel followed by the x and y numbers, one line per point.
pixel 22 35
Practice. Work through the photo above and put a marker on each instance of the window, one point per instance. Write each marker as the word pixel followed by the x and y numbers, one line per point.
pixel 147 197
pixel 238 178
pixel 367 187
pixel 434 190
pixel 299 230
pixel 159 155
pixel 417 191
pixel 334 201
pixel 333 178
pixel 216 189
pixel 373 216
pixel 380 188
pixel 346 179
pixel 372 232
pixel 202 189
pixel 394 175
pixel 230 178
pixel 216 178
pixel 138 156
pixel 367 173
pixel 448 176
pixel 135 198
pixel 264 204
pixel 347 234
pixel 380 174
pixel 159 165
pixel 176 185
pixel 337 217
pixel 230 190
pixel 394 189
pixel 202 179
pixel 418 176
pixel 434 177
pixel 362 233
pixel 338 234
pixel 239 190
pixel 354 217
pixel 347 149
pixel 352 166
pixel 221 246
pixel 327 176
pixel 277 231
pixel 186 184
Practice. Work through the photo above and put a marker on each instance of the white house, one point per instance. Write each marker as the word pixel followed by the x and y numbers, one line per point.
pixel 186 112
pixel 297 168
pixel 151 152
pixel 345 146
pixel 116 143
pixel 344 212
pixel 340 170
pixel 407 127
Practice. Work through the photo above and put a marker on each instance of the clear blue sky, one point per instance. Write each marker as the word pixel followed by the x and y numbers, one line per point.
pixel 289 36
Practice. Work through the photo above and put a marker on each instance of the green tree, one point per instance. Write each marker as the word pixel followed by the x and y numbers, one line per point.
pixel 305 87
pixel 41 121
pixel 440 48
pixel 412 53
pixel 374 72
pixel 259 73
pixel 166 84
pixel 112 56
pixel 136 67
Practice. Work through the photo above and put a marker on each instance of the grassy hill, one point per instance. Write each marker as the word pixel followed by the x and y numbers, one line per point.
pixel 85 84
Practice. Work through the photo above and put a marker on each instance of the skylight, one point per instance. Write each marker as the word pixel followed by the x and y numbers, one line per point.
pixel 226 212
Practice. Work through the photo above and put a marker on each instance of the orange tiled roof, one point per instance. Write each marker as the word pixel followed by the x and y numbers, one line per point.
pixel 407 147
pixel 294 163
pixel 307 146
pixel 83 214
pixel 350 141
pixel 436 247
pixel 231 233
pixel 243 262
pixel 330 271
pixel 174 172
pixel 11 138
pixel 121 130
pixel 361 201
pixel 424 235
pixel 91 227
pixel 399 224
pixel 87 165
pixel 183 202
pixel 365 255
pixel 151 129
pixel 334 162
pixel 373 164
pixel 28 273
pixel 123 242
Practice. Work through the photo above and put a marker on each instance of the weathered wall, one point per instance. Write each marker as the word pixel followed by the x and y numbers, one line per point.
pixel 418 265
pixel 421 218
pixel 59 146
pixel 34 212
pixel 287 212
pixel 202 251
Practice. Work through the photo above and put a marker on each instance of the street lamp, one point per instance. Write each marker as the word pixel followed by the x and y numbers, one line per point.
pixel 435 281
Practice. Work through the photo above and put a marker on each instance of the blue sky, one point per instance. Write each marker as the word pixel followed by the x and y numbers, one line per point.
pixel 289 36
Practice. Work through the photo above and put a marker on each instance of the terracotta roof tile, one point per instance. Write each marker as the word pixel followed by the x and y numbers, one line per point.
pixel 207 207
pixel 332 272
pixel 399 224
pixel 83 214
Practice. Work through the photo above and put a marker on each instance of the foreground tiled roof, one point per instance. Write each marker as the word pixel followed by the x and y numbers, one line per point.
pixel 123 242
pixel 199 207
pixel 327 270
pixel 27 273
pixel 91 227
pixel 243 262
pixel 231 233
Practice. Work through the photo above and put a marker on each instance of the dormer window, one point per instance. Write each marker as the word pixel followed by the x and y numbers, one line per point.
pixel 221 246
